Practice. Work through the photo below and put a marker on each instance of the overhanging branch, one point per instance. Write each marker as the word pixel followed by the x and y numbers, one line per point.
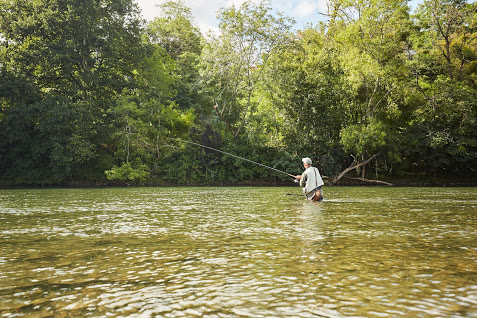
pixel 354 166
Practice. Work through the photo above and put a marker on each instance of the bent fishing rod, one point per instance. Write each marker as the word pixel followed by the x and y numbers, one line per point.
pixel 235 156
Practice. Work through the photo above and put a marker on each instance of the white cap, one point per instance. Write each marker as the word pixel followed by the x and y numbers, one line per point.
pixel 306 161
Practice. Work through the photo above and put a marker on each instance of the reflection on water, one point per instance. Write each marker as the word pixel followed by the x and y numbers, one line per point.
pixel 238 252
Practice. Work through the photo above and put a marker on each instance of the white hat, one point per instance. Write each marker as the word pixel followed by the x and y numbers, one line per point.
pixel 306 161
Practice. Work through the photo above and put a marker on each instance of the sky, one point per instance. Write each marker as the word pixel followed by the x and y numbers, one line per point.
pixel 205 11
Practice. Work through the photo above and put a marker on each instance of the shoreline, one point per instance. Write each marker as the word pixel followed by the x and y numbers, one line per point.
pixel 396 182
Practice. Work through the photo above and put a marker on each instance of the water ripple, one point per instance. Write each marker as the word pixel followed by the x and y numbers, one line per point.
pixel 238 252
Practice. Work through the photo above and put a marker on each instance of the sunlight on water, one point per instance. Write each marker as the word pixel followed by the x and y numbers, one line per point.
pixel 238 252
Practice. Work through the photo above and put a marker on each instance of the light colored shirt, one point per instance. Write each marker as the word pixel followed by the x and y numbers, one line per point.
pixel 311 179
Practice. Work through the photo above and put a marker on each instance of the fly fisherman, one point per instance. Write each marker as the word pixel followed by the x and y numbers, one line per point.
pixel 311 181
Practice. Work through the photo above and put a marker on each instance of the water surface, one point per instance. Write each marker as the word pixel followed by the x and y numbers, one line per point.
pixel 238 252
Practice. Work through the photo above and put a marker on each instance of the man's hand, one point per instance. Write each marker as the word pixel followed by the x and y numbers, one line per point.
pixel 298 177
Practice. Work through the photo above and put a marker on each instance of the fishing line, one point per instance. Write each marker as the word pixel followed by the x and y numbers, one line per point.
pixel 230 154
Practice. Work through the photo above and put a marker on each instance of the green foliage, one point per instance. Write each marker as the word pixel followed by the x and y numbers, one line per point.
pixel 449 125
pixel 90 93
pixel 306 85
pixel 139 129
pixel 61 76
pixel 175 33
pixel 135 172
pixel 174 30
pixel 361 140
pixel 233 62
pixel 49 135
pixel 446 116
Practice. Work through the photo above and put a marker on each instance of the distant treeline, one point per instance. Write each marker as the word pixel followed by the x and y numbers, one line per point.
pixel 92 93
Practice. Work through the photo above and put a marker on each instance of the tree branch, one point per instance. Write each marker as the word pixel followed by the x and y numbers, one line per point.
pixel 353 166
pixel 369 181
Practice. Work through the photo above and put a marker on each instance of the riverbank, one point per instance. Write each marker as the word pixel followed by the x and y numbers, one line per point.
pixel 407 181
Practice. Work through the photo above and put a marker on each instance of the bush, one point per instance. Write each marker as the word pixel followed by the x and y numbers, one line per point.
pixel 127 172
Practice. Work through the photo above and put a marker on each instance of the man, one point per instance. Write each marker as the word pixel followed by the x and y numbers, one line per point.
pixel 311 181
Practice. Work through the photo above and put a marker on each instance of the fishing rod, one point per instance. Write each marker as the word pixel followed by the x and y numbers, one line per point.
pixel 230 154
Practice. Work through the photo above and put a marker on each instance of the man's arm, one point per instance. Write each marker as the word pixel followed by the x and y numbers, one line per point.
pixel 303 179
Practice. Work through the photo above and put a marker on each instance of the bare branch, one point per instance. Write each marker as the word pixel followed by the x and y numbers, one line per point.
pixel 353 166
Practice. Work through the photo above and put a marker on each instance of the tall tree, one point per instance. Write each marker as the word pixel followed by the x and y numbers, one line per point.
pixel 66 60
pixel 235 59
pixel 371 36
pixel 175 32
pixel 444 70
pixel 449 26
pixel 174 29
pixel 306 83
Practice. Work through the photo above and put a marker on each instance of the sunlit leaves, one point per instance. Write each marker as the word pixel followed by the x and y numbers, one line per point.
pixel 174 30
pixel 235 60
pixel 444 69
pixel 371 38
pixel 364 139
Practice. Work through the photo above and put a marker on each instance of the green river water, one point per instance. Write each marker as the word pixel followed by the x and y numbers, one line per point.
pixel 238 252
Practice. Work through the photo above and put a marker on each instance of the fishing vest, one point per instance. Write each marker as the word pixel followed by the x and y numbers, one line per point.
pixel 313 179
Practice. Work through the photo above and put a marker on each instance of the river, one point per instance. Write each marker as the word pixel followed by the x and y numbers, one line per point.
pixel 238 252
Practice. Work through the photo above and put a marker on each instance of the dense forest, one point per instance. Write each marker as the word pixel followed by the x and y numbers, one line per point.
pixel 91 93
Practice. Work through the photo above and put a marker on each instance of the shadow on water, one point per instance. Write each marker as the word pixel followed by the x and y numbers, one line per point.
pixel 233 252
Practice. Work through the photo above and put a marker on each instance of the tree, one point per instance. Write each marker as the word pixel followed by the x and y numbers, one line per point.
pixel 65 60
pixel 175 32
pixel 306 84
pixel 449 26
pixel 371 37
pixel 235 60
pixel 444 72
pixel 143 120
